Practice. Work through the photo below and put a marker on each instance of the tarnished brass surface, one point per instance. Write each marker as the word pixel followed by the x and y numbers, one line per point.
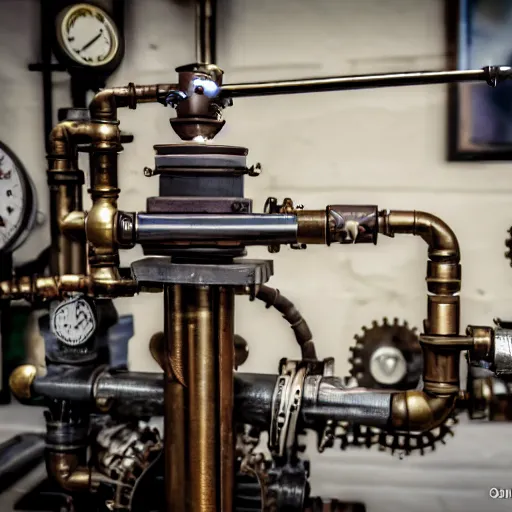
pixel 226 397
pixel 311 226
pixel 202 391
pixel 21 379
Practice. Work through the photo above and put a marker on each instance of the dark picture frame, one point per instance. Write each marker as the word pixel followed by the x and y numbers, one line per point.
pixel 479 117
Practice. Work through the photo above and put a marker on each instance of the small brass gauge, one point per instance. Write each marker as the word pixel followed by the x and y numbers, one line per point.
pixel 88 38
pixel 17 201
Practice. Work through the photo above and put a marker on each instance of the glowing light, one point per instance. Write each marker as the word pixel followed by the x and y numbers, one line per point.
pixel 210 88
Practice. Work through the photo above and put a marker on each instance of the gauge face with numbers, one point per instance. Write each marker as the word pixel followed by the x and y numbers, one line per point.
pixel 88 36
pixel 17 201
pixel 73 321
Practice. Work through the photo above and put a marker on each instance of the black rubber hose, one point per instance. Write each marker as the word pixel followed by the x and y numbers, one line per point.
pixel 273 298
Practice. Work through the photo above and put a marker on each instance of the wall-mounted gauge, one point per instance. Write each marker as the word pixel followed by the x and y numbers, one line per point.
pixel 17 201
pixel 87 39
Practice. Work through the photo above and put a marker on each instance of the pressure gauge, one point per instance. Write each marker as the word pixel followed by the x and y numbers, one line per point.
pixel 17 201
pixel 73 321
pixel 88 38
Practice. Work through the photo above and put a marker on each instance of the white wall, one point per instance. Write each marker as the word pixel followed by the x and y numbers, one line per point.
pixel 384 147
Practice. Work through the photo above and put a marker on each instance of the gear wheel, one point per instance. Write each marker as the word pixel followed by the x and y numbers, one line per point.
pixel 423 442
pixel 508 243
pixel 387 356
pixel 401 444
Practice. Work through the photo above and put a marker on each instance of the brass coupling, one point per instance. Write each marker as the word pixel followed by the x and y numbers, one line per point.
pixel 343 224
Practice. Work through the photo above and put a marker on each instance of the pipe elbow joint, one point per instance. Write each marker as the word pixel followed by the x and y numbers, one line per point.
pixel 103 106
pixel 416 411
pixel 442 242
pixel 66 472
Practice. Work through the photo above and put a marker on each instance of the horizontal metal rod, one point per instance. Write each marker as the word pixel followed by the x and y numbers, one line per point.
pixel 491 74
pixel 127 386
pixel 249 229
pixel 141 394
pixel 336 402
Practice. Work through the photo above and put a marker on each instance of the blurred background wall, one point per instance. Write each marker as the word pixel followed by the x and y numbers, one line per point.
pixel 384 147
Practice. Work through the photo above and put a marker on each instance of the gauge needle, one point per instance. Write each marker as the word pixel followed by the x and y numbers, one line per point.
pixel 91 42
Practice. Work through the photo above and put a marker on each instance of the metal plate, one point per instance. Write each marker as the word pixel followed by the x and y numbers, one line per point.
pixel 244 272
pixel 200 155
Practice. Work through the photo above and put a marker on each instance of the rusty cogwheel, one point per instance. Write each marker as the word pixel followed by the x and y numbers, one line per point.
pixel 387 356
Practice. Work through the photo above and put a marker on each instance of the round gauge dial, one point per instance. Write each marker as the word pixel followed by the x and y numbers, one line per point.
pixel 17 201
pixel 88 36
pixel 73 321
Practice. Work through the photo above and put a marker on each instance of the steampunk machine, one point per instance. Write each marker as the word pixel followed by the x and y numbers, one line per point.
pixel 194 235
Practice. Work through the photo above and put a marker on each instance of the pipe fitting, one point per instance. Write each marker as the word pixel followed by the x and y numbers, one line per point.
pixel 441 343
pixel 65 469
pixel 416 411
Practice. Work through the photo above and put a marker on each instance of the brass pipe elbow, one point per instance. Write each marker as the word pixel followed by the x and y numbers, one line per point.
pixel 415 411
pixel 441 240
pixel 105 103
pixel 65 469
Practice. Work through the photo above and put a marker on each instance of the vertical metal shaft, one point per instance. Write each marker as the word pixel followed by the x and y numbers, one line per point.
pixel 174 397
pixel 202 398
pixel 226 398
pixel 206 31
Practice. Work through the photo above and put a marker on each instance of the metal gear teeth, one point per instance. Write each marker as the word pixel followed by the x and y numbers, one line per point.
pixel 508 243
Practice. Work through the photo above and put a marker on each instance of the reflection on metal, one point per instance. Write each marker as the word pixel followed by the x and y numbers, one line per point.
pixel 194 236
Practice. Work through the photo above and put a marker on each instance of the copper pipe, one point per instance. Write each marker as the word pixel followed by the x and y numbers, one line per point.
pixel 423 410
pixel 202 387
pixel 226 355
pixel 174 402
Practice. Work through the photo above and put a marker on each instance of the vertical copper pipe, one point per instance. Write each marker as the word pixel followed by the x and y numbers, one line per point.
pixel 174 397
pixel 226 398
pixel 202 401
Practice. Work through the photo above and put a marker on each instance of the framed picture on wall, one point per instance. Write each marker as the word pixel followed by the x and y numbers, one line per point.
pixel 479 34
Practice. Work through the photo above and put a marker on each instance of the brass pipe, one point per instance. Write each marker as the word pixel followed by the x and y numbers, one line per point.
pixel 54 287
pixel 202 394
pixel 68 473
pixel 65 183
pixel 226 395
pixel 104 191
pixel 424 410
pixel 174 401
